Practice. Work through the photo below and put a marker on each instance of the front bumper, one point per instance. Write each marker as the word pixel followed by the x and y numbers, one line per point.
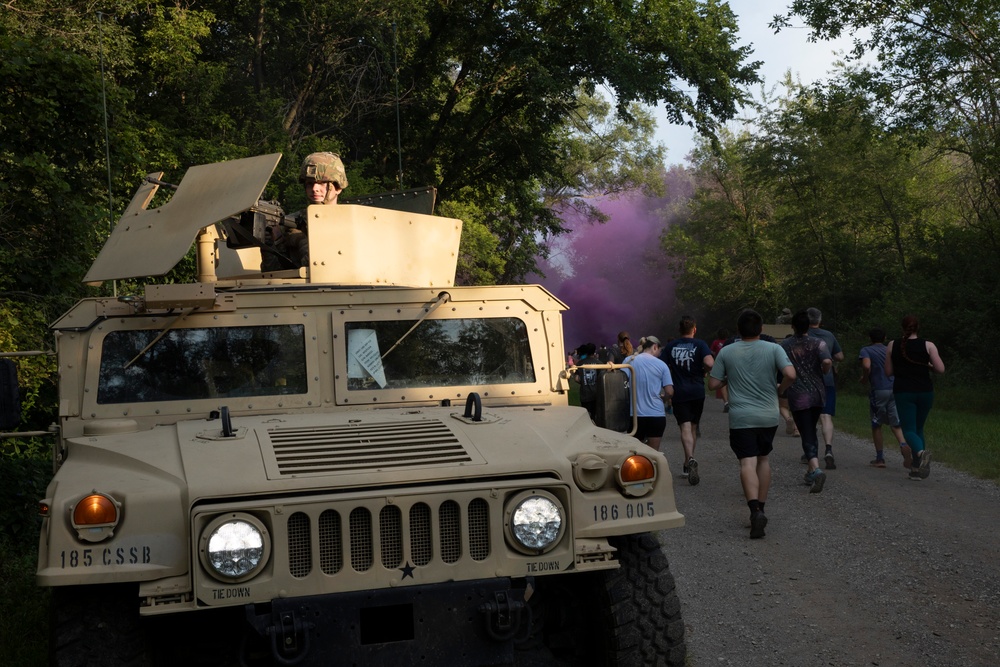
pixel 460 624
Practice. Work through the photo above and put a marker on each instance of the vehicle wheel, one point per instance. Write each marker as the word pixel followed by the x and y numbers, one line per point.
pixel 96 626
pixel 629 617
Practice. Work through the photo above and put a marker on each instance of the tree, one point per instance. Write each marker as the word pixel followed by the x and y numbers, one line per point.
pixel 724 256
pixel 822 206
pixel 937 67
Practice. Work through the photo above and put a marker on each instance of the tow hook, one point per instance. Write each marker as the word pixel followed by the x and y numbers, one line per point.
pixel 503 615
pixel 289 636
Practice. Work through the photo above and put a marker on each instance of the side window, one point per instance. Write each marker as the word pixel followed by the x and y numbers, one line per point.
pixel 187 364
pixel 393 354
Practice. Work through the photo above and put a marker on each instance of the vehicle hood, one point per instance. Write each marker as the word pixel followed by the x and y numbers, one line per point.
pixel 370 449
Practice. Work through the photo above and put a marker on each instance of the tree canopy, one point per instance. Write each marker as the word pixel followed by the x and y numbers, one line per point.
pixel 494 102
pixel 827 205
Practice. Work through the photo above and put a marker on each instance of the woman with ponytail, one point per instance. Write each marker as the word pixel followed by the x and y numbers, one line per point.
pixel 622 349
pixel 911 359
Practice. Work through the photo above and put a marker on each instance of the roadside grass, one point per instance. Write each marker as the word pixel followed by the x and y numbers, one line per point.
pixel 962 430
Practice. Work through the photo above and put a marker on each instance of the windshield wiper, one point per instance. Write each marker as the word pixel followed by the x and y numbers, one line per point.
pixel 442 298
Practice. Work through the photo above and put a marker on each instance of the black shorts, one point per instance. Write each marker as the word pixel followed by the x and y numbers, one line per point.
pixel 650 427
pixel 747 442
pixel 689 411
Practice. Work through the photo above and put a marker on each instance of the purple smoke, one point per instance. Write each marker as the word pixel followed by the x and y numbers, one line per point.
pixel 614 276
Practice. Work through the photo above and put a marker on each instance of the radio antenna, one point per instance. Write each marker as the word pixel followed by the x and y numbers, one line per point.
pixel 399 137
pixel 107 139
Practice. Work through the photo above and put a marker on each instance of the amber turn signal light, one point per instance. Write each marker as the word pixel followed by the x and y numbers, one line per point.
pixel 636 468
pixel 95 510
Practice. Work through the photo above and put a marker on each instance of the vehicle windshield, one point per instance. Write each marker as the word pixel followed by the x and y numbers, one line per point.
pixel 438 353
pixel 186 364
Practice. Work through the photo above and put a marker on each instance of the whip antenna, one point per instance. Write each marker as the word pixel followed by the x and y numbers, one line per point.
pixel 399 138
pixel 107 139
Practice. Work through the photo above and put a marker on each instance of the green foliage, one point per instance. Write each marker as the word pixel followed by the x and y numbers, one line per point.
pixel 726 254
pixel 495 103
pixel 23 476
pixel 933 84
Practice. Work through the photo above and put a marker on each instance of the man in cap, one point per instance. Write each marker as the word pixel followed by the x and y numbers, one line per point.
pixel 324 178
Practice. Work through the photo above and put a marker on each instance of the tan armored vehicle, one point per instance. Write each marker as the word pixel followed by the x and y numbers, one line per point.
pixel 353 462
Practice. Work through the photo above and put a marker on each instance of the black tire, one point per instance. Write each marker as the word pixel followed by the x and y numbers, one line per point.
pixel 96 626
pixel 629 617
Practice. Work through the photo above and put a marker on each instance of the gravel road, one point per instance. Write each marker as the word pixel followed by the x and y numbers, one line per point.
pixel 875 570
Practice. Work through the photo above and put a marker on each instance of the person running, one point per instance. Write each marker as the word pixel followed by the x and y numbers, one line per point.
pixel 807 395
pixel 829 380
pixel 622 349
pixel 881 403
pixel 749 368
pixel 652 382
pixel 688 358
pixel 717 344
pixel 910 360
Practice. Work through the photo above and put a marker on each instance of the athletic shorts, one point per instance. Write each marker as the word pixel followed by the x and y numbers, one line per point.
pixel 747 442
pixel 689 411
pixel 882 408
pixel 651 427
pixel 831 401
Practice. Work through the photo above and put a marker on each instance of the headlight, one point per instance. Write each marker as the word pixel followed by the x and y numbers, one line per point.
pixel 235 547
pixel 535 521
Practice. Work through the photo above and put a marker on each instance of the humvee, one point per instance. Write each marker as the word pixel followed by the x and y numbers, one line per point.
pixel 355 462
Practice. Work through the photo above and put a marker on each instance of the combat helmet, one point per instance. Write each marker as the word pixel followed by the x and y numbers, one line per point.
pixel 324 167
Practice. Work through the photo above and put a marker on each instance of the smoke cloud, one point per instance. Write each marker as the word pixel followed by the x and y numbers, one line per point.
pixel 614 276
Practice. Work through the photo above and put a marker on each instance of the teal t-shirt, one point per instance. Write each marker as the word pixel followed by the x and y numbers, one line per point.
pixel 751 370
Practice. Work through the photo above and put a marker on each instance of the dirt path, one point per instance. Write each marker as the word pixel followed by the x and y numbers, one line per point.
pixel 875 570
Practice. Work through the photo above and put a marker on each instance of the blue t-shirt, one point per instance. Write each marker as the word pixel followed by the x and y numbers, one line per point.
pixel 685 357
pixel 876 354
pixel 651 376
pixel 750 369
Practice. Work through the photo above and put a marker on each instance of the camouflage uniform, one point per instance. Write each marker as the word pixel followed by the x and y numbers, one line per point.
pixel 290 240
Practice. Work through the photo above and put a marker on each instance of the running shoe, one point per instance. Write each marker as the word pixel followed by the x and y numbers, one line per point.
pixel 804 459
pixel 686 471
pixel 692 468
pixel 758 521
pixel 789 427
pixel 830 463
pixel 878 463
pixel 915 475
pixel 924 469
pixel 816 479
pixel 725 407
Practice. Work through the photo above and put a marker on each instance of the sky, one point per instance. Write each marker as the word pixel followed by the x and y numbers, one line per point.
pixel 788 50
pixel 614 276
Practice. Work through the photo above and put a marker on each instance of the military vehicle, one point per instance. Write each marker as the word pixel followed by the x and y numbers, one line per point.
pixel 355 462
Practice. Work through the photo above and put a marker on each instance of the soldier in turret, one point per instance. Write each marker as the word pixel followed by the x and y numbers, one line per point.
pixel 324 178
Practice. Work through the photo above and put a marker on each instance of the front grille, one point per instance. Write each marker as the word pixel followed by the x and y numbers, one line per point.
pixel 359 446
pixel 417 533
